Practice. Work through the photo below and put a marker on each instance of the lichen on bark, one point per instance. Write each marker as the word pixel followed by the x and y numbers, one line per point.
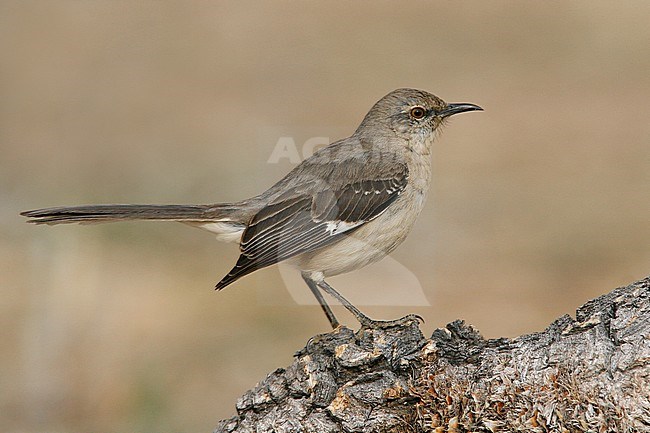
pixel 588 374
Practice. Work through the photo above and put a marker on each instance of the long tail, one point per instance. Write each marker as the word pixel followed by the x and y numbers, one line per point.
pixel 123 212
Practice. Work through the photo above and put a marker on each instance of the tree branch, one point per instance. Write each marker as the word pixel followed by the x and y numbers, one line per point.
pixel 591 373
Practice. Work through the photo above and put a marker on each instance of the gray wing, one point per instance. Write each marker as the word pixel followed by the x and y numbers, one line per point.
pixel 309 217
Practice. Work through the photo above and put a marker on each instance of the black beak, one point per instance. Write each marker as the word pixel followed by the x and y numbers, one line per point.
pixel 458 108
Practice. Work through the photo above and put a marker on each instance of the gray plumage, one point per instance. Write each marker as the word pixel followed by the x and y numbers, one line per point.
pixel 348 205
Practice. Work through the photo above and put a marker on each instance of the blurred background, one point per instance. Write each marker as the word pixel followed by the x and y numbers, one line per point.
pixel 538 204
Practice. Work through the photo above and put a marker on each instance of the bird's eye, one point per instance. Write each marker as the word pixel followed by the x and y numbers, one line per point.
pixel 418 112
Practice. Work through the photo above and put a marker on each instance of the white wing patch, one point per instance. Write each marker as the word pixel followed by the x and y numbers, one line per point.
pixel 336 227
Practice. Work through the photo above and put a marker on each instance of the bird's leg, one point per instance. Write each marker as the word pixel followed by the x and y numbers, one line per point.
pixel 326 308
pixel 362 318
pixel 365 321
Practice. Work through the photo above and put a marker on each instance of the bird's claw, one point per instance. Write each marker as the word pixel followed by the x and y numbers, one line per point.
pixel 368 323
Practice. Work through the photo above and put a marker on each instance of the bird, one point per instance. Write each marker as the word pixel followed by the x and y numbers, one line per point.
pixel 348 205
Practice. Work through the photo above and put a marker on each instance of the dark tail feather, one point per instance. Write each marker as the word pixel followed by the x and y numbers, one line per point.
pixel 120 212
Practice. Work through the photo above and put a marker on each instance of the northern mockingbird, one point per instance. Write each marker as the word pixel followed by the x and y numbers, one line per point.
pixel 347 206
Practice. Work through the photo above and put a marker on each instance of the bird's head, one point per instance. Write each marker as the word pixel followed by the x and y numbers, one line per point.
pixel 410 114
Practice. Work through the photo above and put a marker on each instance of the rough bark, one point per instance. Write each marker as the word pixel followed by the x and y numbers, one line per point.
pixel 588 374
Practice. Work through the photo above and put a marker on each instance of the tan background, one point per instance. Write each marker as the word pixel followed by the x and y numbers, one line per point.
pixel 538 204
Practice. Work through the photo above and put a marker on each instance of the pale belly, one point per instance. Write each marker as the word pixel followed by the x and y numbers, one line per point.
pixel 369 243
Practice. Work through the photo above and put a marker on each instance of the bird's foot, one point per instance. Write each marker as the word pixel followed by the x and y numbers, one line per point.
pixel 368 323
